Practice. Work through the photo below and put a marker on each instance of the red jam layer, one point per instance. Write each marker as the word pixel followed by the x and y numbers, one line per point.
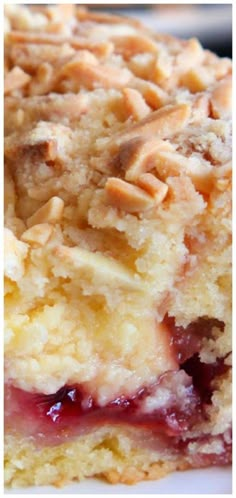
pixel 72 408
pixel 203 374
pixel 187 341
pixel 72 411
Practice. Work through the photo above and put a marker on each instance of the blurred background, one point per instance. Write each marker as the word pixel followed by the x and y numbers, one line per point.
pixel 210 23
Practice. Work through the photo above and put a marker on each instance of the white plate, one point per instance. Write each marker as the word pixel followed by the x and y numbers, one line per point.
pixel 207 481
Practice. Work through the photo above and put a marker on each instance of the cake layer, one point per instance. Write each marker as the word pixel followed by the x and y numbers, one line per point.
pixel 111 452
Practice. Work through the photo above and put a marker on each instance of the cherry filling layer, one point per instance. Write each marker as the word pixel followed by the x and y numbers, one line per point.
pixel 72 405
pixel 166 410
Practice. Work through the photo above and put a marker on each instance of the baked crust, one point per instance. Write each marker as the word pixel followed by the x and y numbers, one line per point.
pixel 106 454
pixel 118 193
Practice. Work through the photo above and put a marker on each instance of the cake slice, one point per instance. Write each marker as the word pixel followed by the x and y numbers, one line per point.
pixel 118 250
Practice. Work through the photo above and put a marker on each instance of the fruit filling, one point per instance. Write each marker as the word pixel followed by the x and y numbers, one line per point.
pixel 160 407
pixel 187 341
pixel 167 409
